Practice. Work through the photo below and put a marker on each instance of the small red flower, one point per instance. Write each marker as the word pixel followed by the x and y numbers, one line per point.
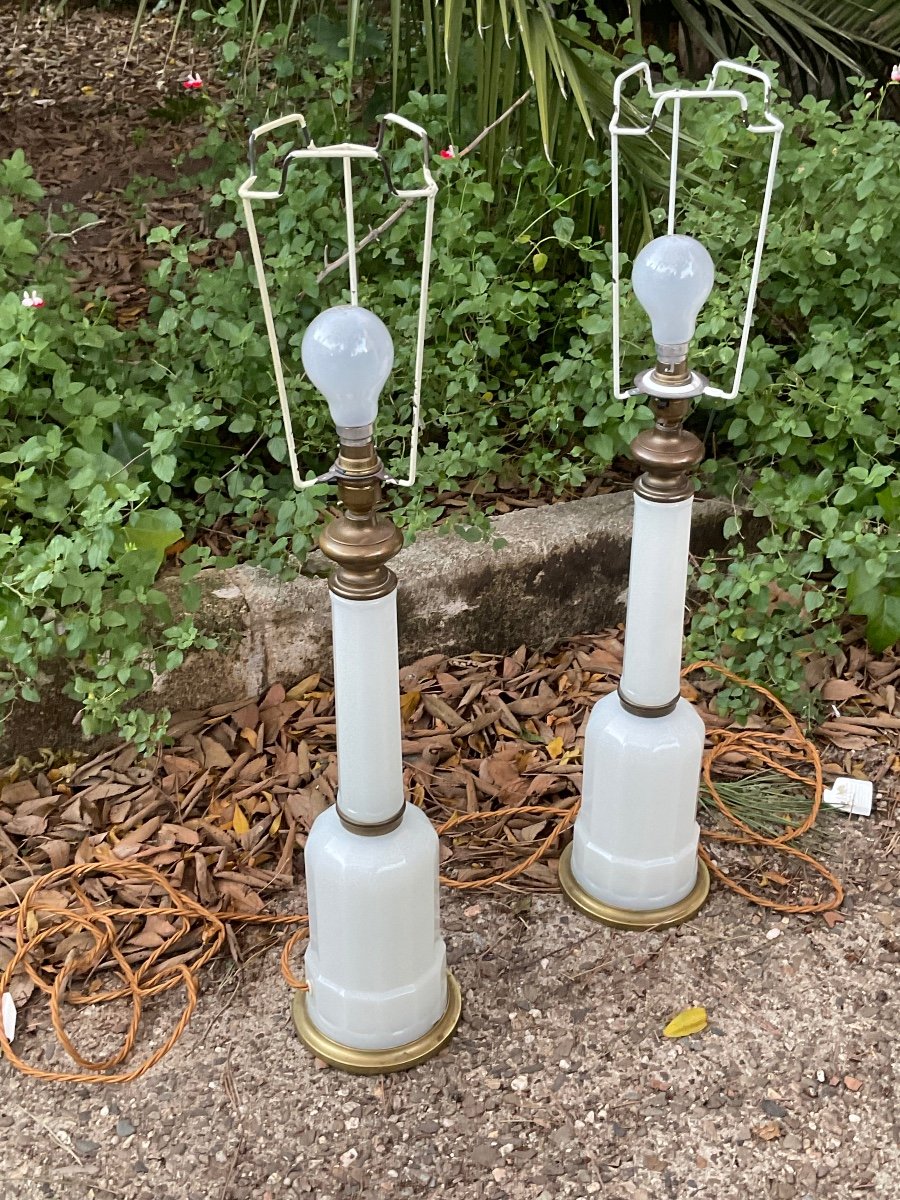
pixel 192 83
pixel 32 301
pixel 895 74
pixel 448 153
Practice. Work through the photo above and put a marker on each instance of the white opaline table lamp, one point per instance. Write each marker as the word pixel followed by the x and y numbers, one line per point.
pixel 633 861
pixel 380 997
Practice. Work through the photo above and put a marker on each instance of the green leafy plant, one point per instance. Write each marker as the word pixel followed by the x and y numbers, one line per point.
pixel 82 534
pixel 812 444
pixel 115 445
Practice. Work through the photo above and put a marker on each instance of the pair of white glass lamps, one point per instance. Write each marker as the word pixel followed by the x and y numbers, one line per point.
pixel 376 964
pixel 379 994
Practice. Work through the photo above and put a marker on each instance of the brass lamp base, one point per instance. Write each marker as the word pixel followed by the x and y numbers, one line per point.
pixel 379 1062
pixel 632 918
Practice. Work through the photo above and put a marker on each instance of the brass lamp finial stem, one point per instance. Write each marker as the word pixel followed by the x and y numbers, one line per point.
pixel 360 541
pixel 668 453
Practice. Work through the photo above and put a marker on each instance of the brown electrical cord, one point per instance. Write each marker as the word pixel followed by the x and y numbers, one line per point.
pixel 138 984
pixel 761 747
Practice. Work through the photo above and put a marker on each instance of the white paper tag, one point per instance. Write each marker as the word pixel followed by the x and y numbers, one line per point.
pixel 850 796
pixel 8 1013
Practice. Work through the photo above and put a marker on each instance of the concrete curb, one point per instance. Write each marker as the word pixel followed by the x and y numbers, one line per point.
pixel 562 571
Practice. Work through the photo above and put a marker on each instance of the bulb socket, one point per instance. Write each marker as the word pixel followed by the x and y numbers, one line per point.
pixel 355 435
pixel 358 460
pixel 672 374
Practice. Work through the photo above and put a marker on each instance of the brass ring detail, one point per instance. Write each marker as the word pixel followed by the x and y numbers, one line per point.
pixel 374 830
pixel 648 487
pixel 378 1062
pixel 632 918
pixel 647 710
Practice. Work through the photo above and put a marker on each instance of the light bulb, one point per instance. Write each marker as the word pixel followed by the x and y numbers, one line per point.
pixel 672 277
pixel 348 354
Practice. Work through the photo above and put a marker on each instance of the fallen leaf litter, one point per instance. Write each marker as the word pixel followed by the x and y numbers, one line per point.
pixel 144 868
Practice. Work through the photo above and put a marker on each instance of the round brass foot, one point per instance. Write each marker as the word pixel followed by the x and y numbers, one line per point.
pixel 379 1062
pixel 632 918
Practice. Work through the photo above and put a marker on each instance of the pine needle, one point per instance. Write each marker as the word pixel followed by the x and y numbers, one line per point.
pixel 767 802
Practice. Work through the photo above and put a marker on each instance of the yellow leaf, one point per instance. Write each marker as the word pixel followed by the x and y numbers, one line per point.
pixel 249 735
pixel 31 923
pixel 409 702
pixel 239 822
pixel 688 1021
pixel 302 689
pixel 276 824
pixel 555 747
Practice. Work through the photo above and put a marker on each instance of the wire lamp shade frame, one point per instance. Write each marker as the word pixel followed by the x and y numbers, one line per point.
pixel 346 152
pixel 770 127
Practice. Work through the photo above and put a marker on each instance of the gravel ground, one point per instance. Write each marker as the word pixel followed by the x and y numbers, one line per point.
pixel 557 1084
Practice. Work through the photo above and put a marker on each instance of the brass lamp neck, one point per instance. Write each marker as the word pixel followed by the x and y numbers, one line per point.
pixel 667 452
pixel 673 374
pixel 360 541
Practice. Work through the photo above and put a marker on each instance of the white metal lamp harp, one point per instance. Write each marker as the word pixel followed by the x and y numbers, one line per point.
pixel 770 127
pixel 345 152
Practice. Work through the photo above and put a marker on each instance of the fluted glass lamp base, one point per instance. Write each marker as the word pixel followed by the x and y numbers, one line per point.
pixel 378 1062
pixel 631 918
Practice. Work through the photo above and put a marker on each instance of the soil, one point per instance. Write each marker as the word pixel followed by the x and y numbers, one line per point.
pixel 92 118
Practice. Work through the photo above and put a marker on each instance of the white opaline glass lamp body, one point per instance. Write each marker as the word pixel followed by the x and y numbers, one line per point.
pixel 348 354
pixel 654 623
pixel 376 964
pixel 635 841
pixel 672 277
pixel 367 707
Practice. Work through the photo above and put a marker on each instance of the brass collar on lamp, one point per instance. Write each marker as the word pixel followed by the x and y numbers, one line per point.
pixel 668 453
pixel 360 541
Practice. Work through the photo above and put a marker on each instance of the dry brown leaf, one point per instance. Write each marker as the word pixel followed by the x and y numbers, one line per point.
pixel 304 806
pixel 840 689
pixel 14 794
pixel 26 827
pixel 409 702
pixel 302 689
pixel 215 756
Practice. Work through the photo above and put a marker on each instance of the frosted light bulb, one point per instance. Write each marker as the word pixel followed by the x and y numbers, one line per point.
pixel 348 354
pixel 672 277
